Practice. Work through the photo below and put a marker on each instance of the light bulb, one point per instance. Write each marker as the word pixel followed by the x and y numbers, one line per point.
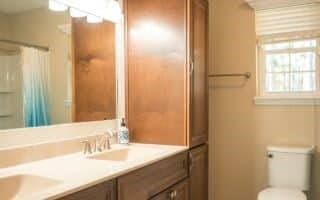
pixel 56 6
pixel 115 6
pixel 77 13
pixel 94 19
pixel 114 11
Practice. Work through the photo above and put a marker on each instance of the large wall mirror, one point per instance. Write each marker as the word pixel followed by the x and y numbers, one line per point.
pixel 57 69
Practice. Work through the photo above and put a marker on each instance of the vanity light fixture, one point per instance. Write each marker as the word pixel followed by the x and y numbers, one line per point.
pixel 114 10
pixel 56 6
pixel 95 10
pixel 94 19
pixel 114 7
pixel 77 13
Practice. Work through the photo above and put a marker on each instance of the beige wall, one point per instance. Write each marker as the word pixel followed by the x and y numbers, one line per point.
pixel 4 24
pixel 240 130
pixel 40 26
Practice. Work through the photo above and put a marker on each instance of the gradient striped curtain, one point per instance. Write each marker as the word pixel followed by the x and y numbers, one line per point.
pixel 35 70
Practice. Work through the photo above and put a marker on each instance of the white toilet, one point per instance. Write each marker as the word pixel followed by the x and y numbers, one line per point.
pixel 289 173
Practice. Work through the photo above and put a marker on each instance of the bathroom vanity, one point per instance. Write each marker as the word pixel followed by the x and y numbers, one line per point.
pixel 167 179
pixel 137 171
pixel 160 180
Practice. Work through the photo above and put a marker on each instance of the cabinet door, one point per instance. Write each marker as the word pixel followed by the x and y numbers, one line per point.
pixel 144 183
pixel 156 70
pixel 103 191
pixel 198 173
pixel 177 192
pixel 198 72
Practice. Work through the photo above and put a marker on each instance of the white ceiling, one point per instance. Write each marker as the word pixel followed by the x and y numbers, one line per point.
pixel 16 6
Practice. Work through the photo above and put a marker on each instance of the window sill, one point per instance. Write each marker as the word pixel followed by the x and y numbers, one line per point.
pixel 287 101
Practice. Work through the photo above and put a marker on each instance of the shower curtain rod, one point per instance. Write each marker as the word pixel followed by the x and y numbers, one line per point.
pixel 43 48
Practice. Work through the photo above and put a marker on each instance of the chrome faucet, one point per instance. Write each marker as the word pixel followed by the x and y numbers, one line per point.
pixel 87 147
pixel 108 144
pixel 101 143
pixel 109 135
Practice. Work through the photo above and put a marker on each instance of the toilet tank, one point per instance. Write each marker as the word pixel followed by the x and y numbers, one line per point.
pixel 289 167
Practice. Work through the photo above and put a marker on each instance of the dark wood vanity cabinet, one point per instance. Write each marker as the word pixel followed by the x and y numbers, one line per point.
pixel 151 180
pixel 179 191
pixel 166 179
pixel 102 191
pixel 166 66
pixel 198 173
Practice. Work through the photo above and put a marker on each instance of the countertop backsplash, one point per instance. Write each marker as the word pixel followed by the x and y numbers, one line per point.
pixel 32 144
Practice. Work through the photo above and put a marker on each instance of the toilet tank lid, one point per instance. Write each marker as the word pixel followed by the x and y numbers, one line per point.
pixel 291 149
pixel 281 194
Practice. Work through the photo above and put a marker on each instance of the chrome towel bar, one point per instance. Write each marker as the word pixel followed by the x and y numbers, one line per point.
pixel 247 75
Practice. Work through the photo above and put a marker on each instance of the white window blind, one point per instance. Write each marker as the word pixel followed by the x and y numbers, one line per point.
pixel 269 4
pixel 293 19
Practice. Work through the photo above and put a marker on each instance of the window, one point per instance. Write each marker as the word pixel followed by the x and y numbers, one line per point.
pixel 288 53
pixel 289 69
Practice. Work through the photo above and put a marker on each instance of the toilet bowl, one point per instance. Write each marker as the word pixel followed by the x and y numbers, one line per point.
pixel 289 170
pixel 281 194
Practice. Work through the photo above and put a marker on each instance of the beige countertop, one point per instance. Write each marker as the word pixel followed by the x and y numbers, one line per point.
pixel 76 172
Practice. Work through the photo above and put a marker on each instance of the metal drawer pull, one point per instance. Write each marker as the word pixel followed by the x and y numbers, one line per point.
pixel 190 163
pixel 173 194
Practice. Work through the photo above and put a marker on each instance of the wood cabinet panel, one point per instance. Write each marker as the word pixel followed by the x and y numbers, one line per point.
pixel 94 75
pixel 198 80
pixel 179 191
pixel 166 42
pixel 198 173
pixel 103 191
pixel 151 180
pixel 156 70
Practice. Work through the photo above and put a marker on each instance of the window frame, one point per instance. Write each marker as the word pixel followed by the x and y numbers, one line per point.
pixel 261 69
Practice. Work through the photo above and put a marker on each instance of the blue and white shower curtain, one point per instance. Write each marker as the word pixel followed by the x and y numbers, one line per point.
pixel 35 71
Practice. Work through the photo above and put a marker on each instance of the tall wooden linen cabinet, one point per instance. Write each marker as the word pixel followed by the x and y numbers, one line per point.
pixel 166 69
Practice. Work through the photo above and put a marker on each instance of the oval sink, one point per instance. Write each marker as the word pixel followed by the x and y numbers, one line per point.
pixel 19 186
pixel 126 154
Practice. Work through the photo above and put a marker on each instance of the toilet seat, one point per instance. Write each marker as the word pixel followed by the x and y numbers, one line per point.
pixel 281 194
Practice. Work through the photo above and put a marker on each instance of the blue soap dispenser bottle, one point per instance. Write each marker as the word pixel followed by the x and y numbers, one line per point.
pixel 123 135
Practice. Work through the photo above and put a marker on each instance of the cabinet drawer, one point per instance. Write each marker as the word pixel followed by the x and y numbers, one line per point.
pixel 178 192
pixel 103 191
pixel 151 180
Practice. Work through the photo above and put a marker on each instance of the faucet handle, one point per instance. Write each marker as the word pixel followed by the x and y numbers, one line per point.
pixel 108 144
pixel 110 133
pixel 87 147
pixel 100 143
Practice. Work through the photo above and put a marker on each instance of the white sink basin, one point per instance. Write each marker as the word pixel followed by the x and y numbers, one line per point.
pixel 19 186
pixel 126 154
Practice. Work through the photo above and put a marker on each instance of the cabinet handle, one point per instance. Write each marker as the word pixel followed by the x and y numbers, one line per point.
pixel 191 67
pixel 190 163
pixel 171 195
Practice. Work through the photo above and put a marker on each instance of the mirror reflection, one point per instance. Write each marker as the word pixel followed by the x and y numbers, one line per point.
pixel 53 68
